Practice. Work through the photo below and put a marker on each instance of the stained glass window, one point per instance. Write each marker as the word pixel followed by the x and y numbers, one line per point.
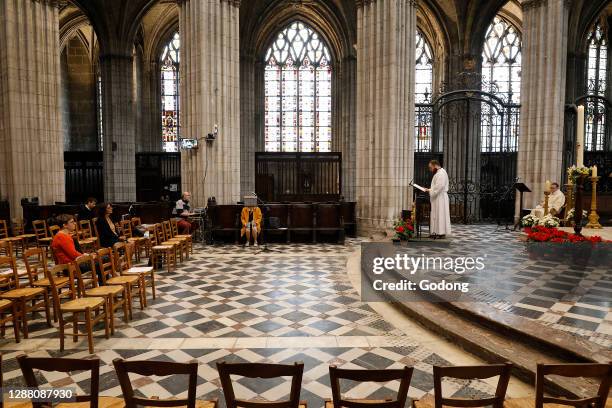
pixel 297 79
pixel 99 111
pixel 501 74
pixel 422 93
pixel 170 94
pixel 595 117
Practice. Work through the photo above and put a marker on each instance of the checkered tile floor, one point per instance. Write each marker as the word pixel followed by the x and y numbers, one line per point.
pixel 575 299
pixel 291 303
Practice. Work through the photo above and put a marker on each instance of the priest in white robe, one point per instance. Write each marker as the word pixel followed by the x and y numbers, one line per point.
pixel 556 201
pixel 439 221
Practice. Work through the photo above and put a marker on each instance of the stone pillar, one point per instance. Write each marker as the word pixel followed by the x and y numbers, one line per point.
pixel 344 91
pixel 540 154
pixel 248 128
pixel 150 139
pixel 210 95
pixel 119 123
pixel 31 138
pixel 385 111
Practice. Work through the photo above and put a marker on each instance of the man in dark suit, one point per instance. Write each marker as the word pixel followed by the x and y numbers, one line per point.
pixel 87 210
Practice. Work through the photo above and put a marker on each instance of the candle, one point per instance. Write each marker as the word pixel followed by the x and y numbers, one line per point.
pixel 594 171
pixel 580 138
pixel 547 186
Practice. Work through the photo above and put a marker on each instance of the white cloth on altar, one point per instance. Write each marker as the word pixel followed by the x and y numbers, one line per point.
pixel 439 221
pixel 555 202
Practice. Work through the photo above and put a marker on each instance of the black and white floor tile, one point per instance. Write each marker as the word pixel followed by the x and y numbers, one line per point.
pixel 290 303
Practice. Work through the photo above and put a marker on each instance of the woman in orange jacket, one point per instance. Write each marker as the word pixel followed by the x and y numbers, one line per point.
pixel 251 223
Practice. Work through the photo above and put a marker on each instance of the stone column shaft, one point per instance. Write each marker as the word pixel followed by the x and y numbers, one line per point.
pixel 344 91
pixel 210 95
pixel 248 131
pixel 540 156
pixel 386 32
pixel 31 139
pixel 119 124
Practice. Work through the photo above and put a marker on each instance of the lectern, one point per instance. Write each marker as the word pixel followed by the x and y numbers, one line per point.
pixel 521 188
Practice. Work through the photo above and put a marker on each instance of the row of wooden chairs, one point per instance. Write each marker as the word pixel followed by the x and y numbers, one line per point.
pixel 266 370
pixel 73 291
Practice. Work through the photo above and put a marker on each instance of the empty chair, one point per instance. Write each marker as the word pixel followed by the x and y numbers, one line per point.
pixel 469 373
pixel 69 365
pixel 42 235
pixel 403 375
pixel 159 368
pixel 124 266
pixel 79 311
pixel 276 220
pixel 261 370
pixel 601 372
pixel 106 266
pixel 115 295
pixel 225 221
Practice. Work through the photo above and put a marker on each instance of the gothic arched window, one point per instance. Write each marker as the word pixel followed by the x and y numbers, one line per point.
pixel 501 74
pixel 170 94
pixel 597 72
pixel 423 86
pixel 298 78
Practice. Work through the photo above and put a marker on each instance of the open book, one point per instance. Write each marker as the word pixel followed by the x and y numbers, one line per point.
pixel 423 189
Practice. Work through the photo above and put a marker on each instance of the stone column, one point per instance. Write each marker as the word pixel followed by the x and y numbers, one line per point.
pixel 150 139
pixel 540 154
pixel 31 139
pixel 210 95
pixel 344 90
pixel 119 123
pixel 385 111
pixel 248 129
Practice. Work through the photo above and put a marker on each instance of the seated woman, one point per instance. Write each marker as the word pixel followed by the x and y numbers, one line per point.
pixel 251 223
pixel 63 247
pixel 107 231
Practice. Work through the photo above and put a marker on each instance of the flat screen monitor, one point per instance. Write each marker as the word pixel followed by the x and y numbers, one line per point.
pixel 189 144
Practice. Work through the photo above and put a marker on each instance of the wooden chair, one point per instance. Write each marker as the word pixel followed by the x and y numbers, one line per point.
pixel 146 273
pixel 35 260
pixel 16 241
pixel 68 366
pixel 87 241
pixel 187 238
pixel 601 372
pixel 328 220
pixel 27 298
pixel 42 236
pixel 139 243
pixel 92 309
pixel 8 308
pixel 53 230
pixel 111 276
pixel 163 369
pixel 465 373
pixel 180 243
pixel 162 253
pixel 280 214
pixel 261 370
pixel 114 295
pixel 403 375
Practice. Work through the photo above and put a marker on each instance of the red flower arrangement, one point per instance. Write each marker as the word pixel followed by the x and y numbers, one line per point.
pixel 544 234
pixel 403 229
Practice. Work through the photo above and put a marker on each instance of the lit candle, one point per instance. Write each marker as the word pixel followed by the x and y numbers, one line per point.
pixel 580 138
pixel 547 186
pixel 594 171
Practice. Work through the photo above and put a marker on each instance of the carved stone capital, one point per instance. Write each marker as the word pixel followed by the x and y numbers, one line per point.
pixel 235 3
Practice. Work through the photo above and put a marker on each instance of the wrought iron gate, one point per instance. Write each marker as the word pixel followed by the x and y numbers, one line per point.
pixel 475 133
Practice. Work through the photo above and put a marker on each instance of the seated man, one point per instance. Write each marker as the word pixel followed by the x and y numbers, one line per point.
pixel 556 201
pixel 183 211
pixel 87 211
pixel 251 221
